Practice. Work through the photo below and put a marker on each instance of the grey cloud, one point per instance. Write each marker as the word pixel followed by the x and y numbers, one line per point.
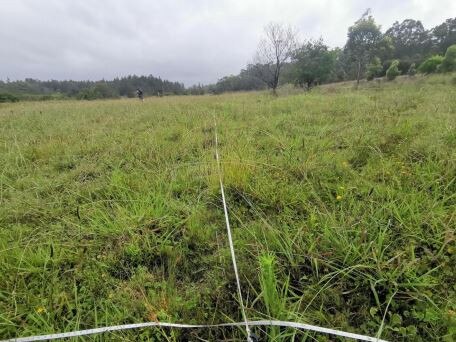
pixel 188 41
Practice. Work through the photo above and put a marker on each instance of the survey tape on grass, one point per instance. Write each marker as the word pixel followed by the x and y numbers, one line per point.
pixel 284 324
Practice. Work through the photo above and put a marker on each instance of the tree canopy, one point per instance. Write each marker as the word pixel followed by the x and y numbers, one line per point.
pixel 125 86
pixel 363 41
pixel 410 39
pixel 313 63
pixel 443 36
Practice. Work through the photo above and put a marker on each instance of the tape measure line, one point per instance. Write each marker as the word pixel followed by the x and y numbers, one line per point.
pixel 230 238
pixel 284 324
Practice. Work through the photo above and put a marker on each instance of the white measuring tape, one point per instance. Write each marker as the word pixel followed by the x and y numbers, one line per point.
pixel 193 326
pixel 230 239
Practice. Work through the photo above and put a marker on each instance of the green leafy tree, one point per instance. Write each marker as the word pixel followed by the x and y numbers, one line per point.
pixel 449 61
pixel 410 40
pixel 100 90
pixel 313 63
pixel 244 81
pixel 385 48
pixel 364 39
pixel 443 36
pixel 393 70
pixel 125 86
pixel 430 65
pixel 339 71
pixel 374 68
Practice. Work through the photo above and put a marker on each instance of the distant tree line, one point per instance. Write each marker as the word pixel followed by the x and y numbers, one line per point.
pixel 88 90
pixel 403 49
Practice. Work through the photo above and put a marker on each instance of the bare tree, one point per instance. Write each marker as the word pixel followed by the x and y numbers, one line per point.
pixel 273 52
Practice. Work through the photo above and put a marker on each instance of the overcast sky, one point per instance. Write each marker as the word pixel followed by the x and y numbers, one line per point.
pixel 189 41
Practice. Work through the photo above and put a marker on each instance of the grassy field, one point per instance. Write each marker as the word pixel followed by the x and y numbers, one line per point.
pixel 342 204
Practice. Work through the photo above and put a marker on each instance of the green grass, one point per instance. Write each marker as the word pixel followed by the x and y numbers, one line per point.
pixel 342 206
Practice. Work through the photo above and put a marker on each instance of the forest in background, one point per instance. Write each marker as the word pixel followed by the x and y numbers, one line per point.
pixel 406 47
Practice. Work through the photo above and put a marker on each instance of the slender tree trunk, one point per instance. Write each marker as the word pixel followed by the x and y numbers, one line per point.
pixel 359 73
pixel 275 85
pixel 276 77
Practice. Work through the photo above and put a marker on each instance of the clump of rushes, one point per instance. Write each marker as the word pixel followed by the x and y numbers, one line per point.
pixel 273 301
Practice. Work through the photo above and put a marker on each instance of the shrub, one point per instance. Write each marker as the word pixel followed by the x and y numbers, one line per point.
pixel 393 70
pixel 412 70
pixel 449 61
pixel 430 65
pixel 5 97
pixel 374 68
pixel 404 65
pixel 97 91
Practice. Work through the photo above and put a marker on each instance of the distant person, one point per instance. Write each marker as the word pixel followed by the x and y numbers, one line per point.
pixel 140 94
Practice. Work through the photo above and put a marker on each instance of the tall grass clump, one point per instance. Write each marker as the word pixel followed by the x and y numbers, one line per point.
pixel 273 299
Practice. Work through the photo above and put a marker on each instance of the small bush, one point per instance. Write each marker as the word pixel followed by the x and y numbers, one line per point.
pixel 404 66
pixel 393 70
pixel 430 65
pixel 412 70
pixel 98 91
pixel 374 69
pixel 5 97
pixel 449 61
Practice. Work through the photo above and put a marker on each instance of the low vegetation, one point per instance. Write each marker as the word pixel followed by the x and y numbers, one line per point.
pixel 393 70
pixel 431 65
pixel 342 204
pixel 8 98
